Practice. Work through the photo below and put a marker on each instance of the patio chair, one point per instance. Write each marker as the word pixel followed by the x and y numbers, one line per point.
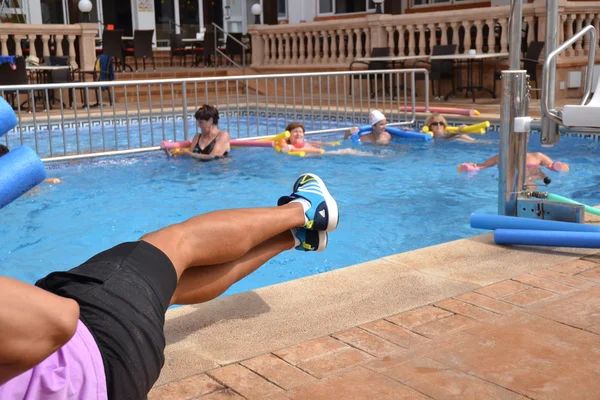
pixel 142 47
pixel 440 69
pixel 530 64
pixel 18 76
pixel 59 76
pixel 234 48
pixel 178 48
pixel 373 66
pixel 112 45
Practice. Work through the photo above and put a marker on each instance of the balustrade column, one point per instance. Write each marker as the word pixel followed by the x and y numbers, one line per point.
pixel 569 51
pixel 504 36
pixel 578 44
pixel 422 40
pixel 317 36
pixel 32 51
pixel 350 33
pixel 280 48
pixel 491 39
pixel 467 43
pixel 3 43
pixel 454 26
pixel 586 44
pixel 401 43
pixel 444 28
pixel 530 27
pixel 479 37
pixel 72 59
pixel 326 56
pixel 267 49
pixel 45 47
pixel 302 57
pixel 309 51
pixel 294 37
pixel 286 48
pixel 597 26
pixel 432 37
pixel 340 41
pixel 273 55
pixel 359 48
pixel 411 40
pixel 18 48
pixel 390 36
pixel 58 43
pixel 367 43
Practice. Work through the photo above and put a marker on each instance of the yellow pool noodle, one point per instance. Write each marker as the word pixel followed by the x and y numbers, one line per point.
pixel 279 136
pixel 475 128
pixel 296 153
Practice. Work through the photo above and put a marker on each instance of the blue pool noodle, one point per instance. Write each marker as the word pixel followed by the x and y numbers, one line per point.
pixel 20 170
pixel 395 132
pixel 486 221
pixel 8 118
pixel 589 240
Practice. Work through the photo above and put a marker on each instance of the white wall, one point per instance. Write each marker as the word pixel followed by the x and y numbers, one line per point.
pixel 35 12
pixel 143 15
pixel 301 10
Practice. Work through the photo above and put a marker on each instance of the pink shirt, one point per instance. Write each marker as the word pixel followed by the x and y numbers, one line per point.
pixel 75 371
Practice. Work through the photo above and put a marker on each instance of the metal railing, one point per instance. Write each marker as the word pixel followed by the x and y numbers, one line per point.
pixel 227 38
pixel 144 113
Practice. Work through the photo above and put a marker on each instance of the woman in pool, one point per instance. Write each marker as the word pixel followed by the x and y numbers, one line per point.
pixel 437 125
pixel 534 162
pixel 211 143
pixel 4 150
pixel 378 134
pixel 296 140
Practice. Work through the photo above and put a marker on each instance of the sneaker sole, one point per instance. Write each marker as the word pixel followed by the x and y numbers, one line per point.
pixel 332 207
pixel 322 241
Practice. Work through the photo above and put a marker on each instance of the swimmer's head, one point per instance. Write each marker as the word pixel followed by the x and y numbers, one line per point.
pixel 437 124
pixel 377 120
pixel 296 130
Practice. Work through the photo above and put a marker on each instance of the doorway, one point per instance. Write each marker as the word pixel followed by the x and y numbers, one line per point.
pixel 234 16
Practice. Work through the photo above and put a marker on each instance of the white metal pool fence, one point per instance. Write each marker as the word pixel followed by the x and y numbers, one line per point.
pixel 132 116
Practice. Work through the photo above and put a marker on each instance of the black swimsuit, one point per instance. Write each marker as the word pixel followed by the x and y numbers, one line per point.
pixel 209 147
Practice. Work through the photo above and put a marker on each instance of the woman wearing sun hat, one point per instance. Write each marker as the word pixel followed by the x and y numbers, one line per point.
pixel 378 134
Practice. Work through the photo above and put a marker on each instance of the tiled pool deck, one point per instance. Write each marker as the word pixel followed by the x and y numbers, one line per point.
pixel 461 320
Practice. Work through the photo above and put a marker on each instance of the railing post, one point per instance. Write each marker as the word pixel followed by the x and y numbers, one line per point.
pixel 550 129
pixel 186 129
pixel 87 46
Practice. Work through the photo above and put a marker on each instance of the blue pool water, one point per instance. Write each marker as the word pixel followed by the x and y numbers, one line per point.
pixel 392 199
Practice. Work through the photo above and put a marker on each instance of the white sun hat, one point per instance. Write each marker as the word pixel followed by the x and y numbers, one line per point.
pixel 375 116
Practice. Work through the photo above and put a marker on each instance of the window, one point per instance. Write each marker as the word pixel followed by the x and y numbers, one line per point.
pixel 282 9
pixel 346 6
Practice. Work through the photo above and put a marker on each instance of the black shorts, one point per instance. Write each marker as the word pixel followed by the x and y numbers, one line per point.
pixel 123 294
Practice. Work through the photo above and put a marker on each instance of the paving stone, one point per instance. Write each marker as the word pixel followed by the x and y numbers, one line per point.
pixel 311 349
pixel 528 297
pixel 335 362
pixel 574 267
pixel 419 316
pixel 486 302
pixel 226 394
pixel 581 309
pixel 395 334
pixel 277 396
pixel 278 371
pixel 355 384
pixel 468 310
pixel 441 382
pixel 592 274
pixel 543 283
pixel 594 328
pixel 533 356
pixel 501 289
pixel 560 277
pixel 367 342
pixel 188 388
pixel 244 381
pixel 444 326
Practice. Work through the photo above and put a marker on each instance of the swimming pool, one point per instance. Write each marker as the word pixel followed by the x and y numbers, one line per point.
pixel 392 199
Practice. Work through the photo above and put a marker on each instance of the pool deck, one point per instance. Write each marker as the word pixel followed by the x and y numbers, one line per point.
pixel 461 320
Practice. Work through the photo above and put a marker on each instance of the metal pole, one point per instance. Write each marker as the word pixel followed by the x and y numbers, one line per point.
pixel 515 29
pixel 550 129
pixel 511 162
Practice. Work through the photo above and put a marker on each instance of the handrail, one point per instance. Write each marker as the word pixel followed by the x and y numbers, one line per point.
pixel 551 114
pixel 228 36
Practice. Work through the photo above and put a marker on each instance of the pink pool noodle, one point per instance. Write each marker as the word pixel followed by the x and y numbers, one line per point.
pixel 251 143
pixel 466 167
pixel 166 144
pixel 444 110
pixel 558 166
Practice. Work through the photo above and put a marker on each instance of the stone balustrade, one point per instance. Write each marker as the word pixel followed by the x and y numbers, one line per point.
pixel 336 43
pixel 53 41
